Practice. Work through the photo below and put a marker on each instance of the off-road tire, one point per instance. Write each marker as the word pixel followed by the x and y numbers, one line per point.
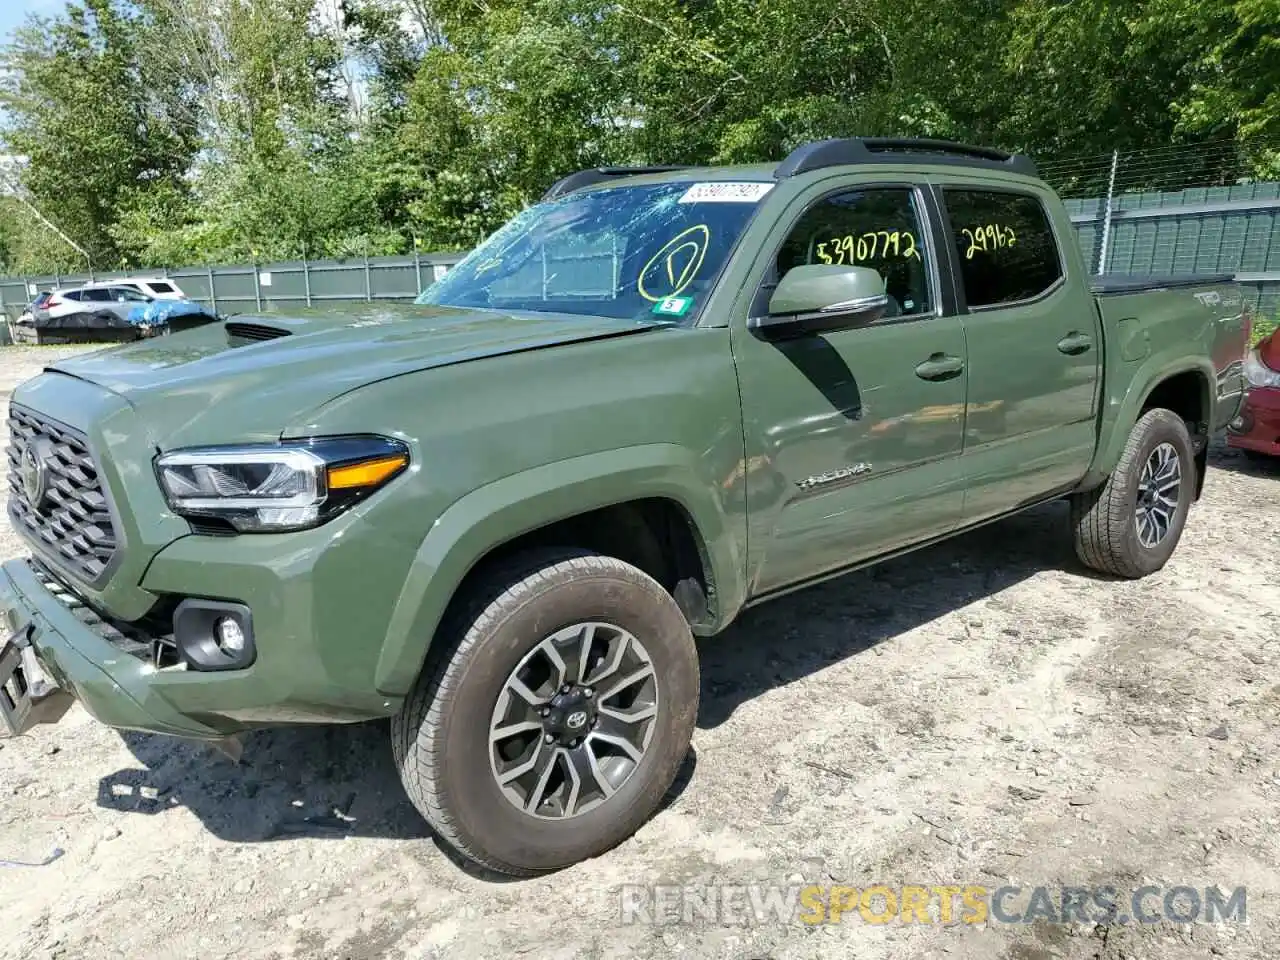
pixel 440 737
pixel 1106 535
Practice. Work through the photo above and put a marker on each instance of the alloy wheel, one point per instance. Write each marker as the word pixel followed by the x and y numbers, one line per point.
pixel 1159 487
pixel 573 720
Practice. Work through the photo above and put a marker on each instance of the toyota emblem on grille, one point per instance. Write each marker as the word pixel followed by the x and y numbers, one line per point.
pixel 33 470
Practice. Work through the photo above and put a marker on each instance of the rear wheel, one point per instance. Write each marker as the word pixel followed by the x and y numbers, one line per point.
pixel 1130 525
pixel 553 715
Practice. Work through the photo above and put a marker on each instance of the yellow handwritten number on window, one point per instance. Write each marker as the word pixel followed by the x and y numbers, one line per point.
pixel 988 238
pixel 880 245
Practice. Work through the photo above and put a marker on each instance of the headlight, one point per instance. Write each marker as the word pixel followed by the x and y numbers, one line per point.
pixel 272 487
pixel 1258 373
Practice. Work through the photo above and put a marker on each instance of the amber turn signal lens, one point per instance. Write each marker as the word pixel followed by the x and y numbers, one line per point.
pixel 367 474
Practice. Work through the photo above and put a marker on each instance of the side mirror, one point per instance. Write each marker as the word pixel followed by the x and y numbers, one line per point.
pixel 819 298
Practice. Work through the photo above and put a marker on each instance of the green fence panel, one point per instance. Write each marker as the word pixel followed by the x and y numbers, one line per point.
pixel 337 280
pixel 394 279
pixel 195 283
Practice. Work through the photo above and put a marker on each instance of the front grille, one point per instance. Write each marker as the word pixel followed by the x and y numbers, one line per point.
pixel 70 518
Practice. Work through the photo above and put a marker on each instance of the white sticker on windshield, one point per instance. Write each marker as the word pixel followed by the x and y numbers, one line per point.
pixel 726 192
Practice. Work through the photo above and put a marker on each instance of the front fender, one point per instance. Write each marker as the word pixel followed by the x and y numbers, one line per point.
pixel 517 504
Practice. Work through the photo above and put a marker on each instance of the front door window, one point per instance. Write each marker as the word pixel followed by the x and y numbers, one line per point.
pixel 877 228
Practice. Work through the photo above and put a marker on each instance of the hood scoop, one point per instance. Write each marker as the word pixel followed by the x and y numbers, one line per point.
pixel 254 331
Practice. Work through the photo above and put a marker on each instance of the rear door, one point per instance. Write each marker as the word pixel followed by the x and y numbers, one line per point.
pixel 99 300
pixel 1034 344
pixel 853 436
pixel 125 299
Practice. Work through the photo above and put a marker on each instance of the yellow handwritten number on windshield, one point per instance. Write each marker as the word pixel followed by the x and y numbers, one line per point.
pixel 881 244
pixel 676 265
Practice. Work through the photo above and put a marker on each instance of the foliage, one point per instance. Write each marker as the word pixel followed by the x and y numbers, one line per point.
pixel 95 126
pixel 165 132
pixel 1232 52
pixel 1263 327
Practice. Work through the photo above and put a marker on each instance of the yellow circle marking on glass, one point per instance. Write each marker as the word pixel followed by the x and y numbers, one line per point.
pixel 696 240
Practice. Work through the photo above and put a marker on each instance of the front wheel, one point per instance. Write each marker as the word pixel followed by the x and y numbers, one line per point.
pixel 1129 526
pixel 553 714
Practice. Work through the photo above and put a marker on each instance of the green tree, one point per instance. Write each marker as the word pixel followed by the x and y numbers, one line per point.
pixel 1231 55
pixel 280 172
pixel 95 129
pixel 207 130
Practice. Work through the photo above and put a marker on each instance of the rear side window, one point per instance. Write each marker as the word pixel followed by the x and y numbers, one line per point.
pixel 128 293
pixel 1006 247
pixel 73 295
pixel 159 286
pixel 97 295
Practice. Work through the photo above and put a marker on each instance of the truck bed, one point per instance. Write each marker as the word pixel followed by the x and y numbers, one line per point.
pixel 1121 283
pixel 1153 320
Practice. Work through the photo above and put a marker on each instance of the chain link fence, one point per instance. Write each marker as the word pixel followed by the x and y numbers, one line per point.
pixel 1178 210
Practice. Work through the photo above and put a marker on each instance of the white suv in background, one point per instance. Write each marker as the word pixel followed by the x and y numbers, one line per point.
pixel 157 288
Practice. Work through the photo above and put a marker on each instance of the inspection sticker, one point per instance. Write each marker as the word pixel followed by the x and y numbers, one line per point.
pixel 726 192
pixel 673 306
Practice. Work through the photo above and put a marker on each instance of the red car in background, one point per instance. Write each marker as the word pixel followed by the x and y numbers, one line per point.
pixel 1257 429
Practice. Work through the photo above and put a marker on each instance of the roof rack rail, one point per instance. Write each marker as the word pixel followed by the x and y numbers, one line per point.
pixel 587 178
pixel 864 150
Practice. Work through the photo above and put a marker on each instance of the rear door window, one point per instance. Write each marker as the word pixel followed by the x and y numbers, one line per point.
pixel 1005 246
pixel 159 286
pixel 96 295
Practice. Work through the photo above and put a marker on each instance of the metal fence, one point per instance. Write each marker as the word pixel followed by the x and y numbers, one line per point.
pixel 1214 230
pixel 252 288
pixel 1177 210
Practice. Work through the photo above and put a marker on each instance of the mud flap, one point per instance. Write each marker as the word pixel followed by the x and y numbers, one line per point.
pixel 28 694
pixel 1200 448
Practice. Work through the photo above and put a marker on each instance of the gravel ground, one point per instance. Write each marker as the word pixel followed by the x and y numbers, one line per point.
pixel 983 712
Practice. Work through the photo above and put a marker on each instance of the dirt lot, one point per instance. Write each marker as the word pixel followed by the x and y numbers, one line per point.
pixel 981 713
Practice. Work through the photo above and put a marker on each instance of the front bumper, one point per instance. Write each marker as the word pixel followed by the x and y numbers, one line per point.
pixel 113 686
pixel 320 598
pixel 1258 425
pixel 119 683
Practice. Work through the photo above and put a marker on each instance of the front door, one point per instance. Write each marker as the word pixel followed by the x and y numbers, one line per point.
pixel 1034 346
pixel 852 437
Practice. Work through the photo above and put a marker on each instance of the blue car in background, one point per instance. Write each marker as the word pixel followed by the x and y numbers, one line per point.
pixel 167 316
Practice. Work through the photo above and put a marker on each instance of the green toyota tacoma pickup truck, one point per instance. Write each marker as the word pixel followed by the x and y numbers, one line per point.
pixel 500 515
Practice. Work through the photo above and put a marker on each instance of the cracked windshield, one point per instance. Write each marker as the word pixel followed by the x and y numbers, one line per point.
pixel 633 253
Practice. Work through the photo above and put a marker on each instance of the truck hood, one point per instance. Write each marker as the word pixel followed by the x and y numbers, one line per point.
pixel 219 383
